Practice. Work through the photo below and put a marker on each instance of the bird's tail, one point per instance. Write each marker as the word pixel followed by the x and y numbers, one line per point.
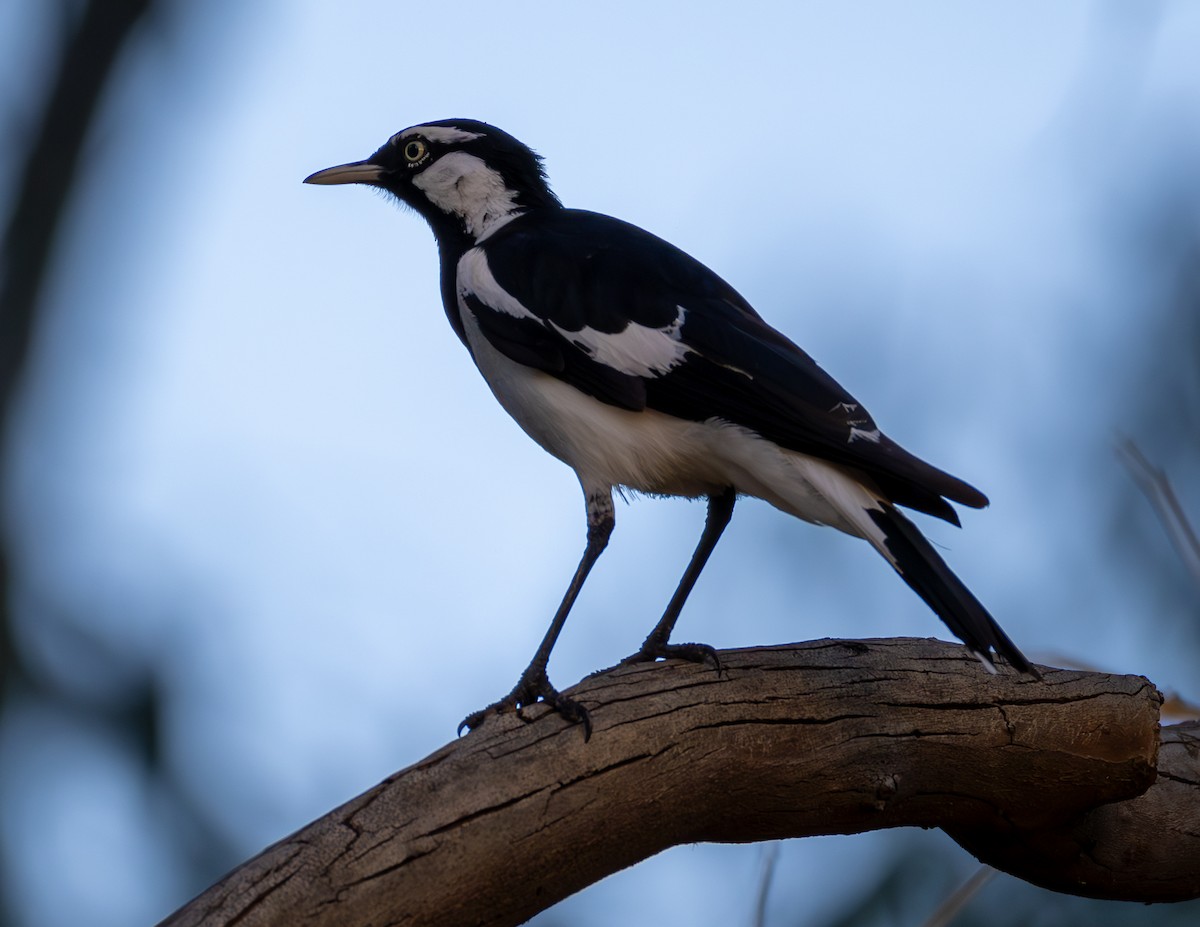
pixel 869 516
pixel 919 565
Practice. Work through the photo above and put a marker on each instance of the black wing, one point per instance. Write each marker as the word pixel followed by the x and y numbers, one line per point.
pixel 576 279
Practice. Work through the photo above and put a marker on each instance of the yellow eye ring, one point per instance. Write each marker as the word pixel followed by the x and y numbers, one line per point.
pixel 415 151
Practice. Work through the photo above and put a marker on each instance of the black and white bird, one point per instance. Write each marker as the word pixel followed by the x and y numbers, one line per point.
pixel 638 367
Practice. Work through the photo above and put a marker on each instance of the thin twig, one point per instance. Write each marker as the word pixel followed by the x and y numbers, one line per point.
pixel 950 908
pixel 1157 488
pixel 770 858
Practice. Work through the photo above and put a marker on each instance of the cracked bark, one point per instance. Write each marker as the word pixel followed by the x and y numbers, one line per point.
pixel 816 738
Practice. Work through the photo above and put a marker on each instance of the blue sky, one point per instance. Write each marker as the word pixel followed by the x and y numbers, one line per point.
pixel 253 451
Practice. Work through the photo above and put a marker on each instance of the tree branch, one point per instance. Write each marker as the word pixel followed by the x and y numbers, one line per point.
pixel 816 738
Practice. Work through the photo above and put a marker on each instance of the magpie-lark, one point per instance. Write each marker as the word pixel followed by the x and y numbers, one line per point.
pixel 639 367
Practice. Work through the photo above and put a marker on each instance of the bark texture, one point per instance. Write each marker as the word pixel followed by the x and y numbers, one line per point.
pixel 816 738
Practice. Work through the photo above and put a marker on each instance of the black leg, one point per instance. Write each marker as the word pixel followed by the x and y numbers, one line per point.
pixel 720 510
pixel 534 684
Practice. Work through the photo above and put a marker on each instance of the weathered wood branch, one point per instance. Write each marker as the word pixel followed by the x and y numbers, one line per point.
pixel 816 738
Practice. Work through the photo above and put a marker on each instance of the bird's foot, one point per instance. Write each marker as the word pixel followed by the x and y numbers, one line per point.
pixel 653 650
pixel 533 686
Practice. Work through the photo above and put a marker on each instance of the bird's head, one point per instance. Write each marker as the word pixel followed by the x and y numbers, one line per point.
pixel 465 177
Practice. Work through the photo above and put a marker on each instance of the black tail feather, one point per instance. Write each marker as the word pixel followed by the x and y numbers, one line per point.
pixel 924 570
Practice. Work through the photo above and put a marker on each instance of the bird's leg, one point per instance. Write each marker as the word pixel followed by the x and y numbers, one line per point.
pixel 720 510
pixel 534 683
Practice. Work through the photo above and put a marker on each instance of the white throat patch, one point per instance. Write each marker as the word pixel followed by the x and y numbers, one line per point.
pixel 463 185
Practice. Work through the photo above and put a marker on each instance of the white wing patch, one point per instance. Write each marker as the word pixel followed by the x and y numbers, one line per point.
pixel 462 185
pixel 475 278
pixel 856 433
pixel 637 350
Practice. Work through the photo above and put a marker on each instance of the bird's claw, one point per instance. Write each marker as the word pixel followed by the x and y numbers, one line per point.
pixel 533 687
pixel 475 718
pixel 691 652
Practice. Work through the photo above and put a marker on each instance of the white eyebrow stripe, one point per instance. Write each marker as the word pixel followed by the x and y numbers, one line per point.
pixel 444 134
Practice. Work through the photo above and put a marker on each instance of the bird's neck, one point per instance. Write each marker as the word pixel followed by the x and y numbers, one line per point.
pixel 472 195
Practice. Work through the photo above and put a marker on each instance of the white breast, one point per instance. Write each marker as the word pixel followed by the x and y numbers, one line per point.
pixel 656 453
pixel 606 446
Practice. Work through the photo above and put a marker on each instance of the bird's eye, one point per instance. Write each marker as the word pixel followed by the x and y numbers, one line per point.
pixel 415 151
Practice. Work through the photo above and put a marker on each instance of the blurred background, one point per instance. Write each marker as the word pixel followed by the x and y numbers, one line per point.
pixel 267 538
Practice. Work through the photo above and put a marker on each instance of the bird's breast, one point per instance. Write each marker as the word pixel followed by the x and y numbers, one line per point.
pixel 651 452
pixel 605 445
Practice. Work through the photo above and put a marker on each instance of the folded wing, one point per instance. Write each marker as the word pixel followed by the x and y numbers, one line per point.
pixel 634 322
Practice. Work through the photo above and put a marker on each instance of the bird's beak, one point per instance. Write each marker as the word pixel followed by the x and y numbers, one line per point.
pixel 355 172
